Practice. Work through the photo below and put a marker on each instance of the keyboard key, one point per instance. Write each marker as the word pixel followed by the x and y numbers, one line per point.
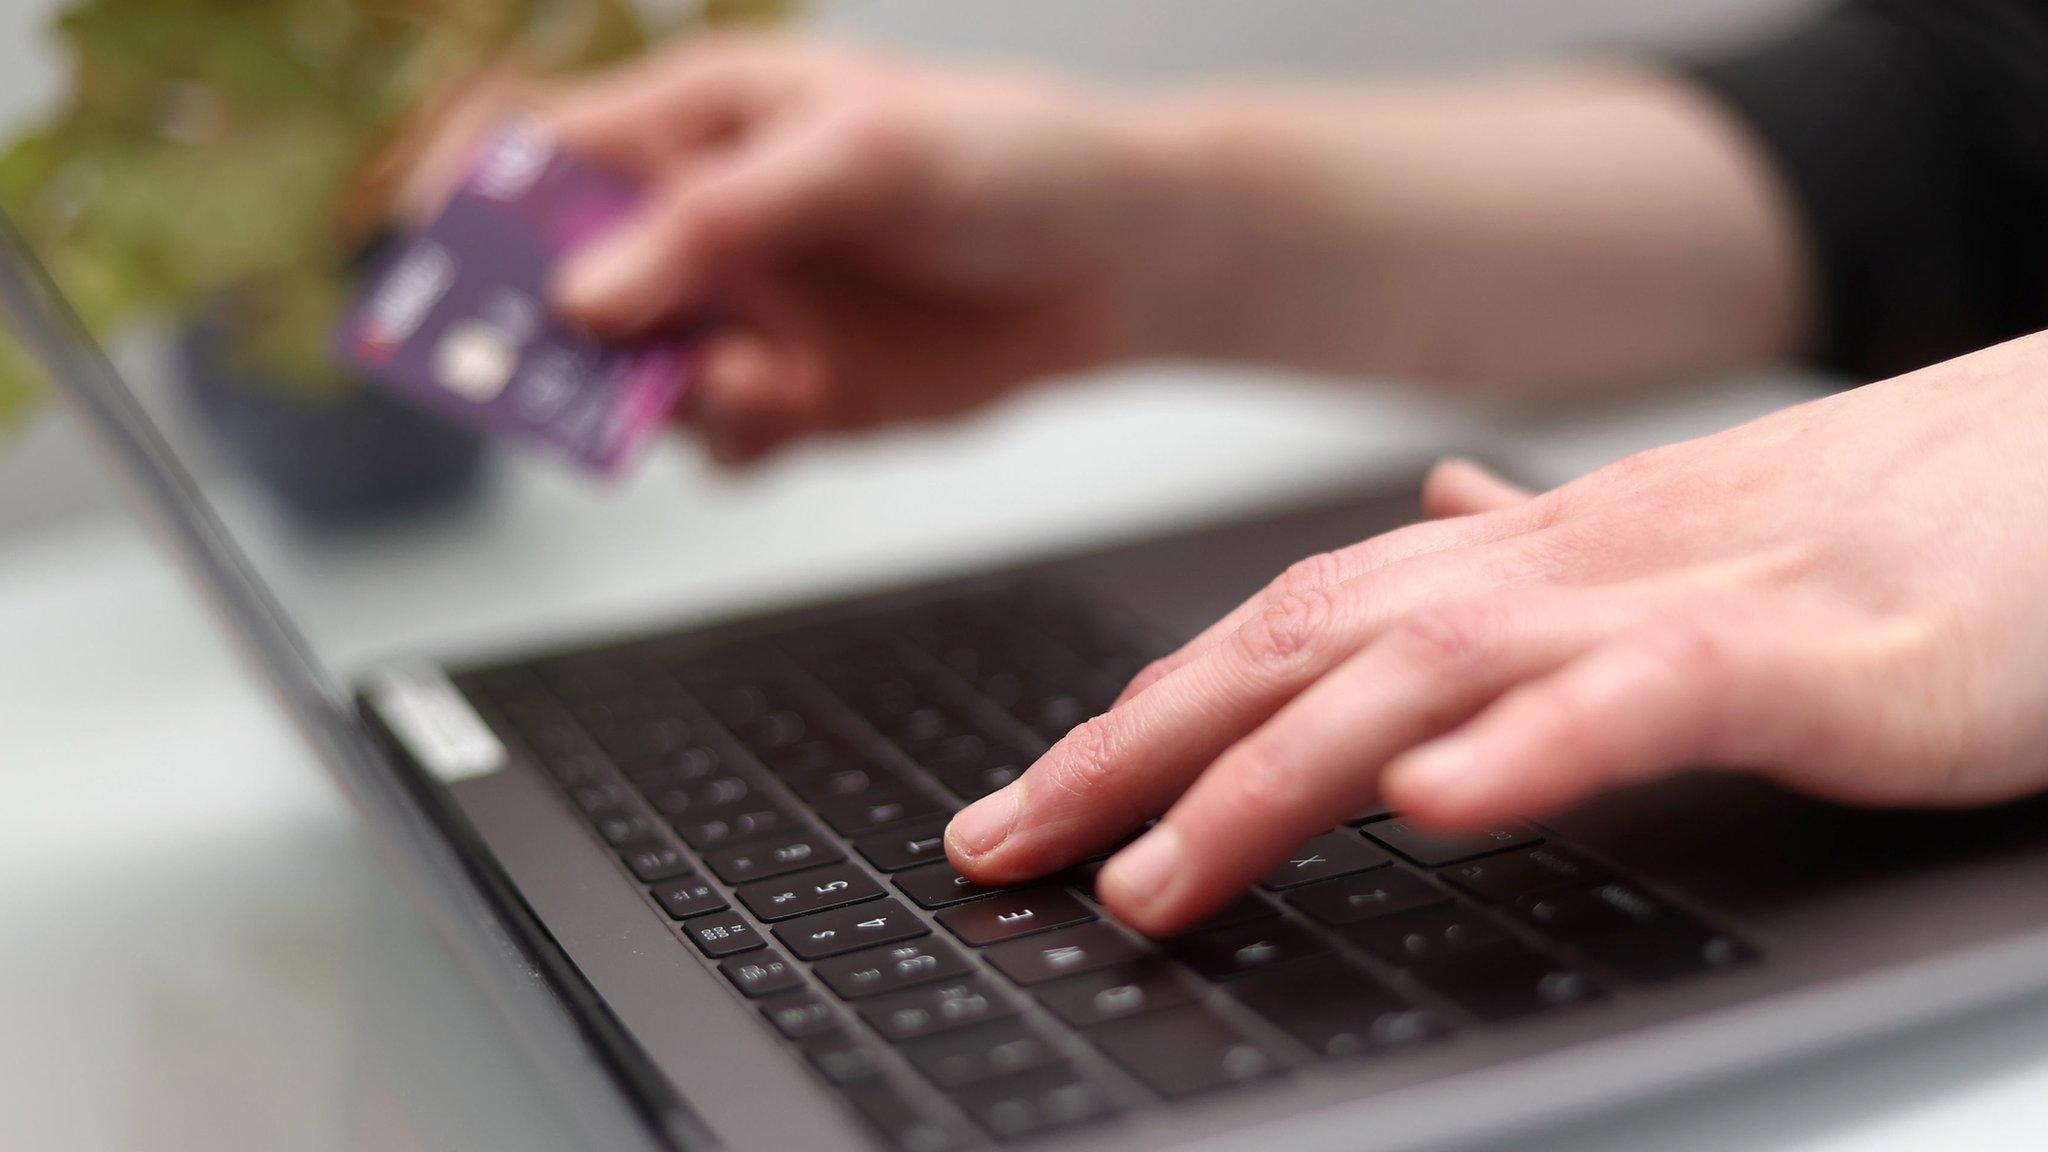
pixel 1335 1010
pixel 1433 850
pixel 843 1058
pixel 1013 913
pixel 892 968
pixel 722 934
pixel 774 856
pixel 715 832
pixel 837 782
pixel 1034 1102
pixel 624 828
pixel 971 1055
pixel 938 886
pixel 1376 812
pixel 1244 909
pixel 1505 981
pixel 876 810
pixel 930 1009
pixel 913 844
pixel 685 896
pixel 1631 931
pixel 1114 993
pixel 805 892
pixel 653 860
pixel 1349 899
pixel 850 929
pixel 1228 953
pixel 1184 1051
pixel 760 974
pixel 800 1014
pixel 1425 934
pixel 1331 854
pixel 1067 952
pixel 1532 872
pixel 902 1122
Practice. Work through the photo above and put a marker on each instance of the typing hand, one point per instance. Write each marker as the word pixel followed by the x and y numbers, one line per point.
pixel 1849 597
pixel 883 242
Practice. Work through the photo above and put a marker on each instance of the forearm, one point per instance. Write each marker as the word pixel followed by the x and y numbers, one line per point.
pixel 1547 235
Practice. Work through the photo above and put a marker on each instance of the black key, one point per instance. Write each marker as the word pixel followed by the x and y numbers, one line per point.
pixel 1030 1103
pixel 971 1055
pixel 774 856
pixel 601 799
pixel 930 1009
pixel 623 828
pixel 972 784
pixel 938 885
pixel 902 1122
pixel 1505 981
pixel 1114 993
pixel 1349 899
pixel 1532 872
pixel 1331 854
pixel 894 967
pixel 843 1058
pixel 1376 812
pixel 912 844
pixel 722 934
pixel 760 974
pixel 837 782
pixel 1336 1010
pixel 1240 950
pixel 685 896
pixel 653 860
pixel 1067 952
pixel 1632 932
pixel 850 929
pixel 1013 913
pixel 1184 1051
pixel 876 810
pixel 1434 851
pixel 805 892
pixel 1424 934
pixel 707 833
pixel 800 1014
pixel 1244 909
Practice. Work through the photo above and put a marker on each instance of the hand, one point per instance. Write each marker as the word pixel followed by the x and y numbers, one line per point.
pixel 884 242
pixel 1849 597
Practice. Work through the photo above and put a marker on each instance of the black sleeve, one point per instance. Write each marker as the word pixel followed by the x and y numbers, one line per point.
pixel 1913 135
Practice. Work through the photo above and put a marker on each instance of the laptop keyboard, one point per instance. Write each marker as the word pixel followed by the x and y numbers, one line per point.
pixel 782 801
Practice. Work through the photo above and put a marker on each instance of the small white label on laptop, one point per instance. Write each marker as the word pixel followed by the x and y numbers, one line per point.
pixel 435 722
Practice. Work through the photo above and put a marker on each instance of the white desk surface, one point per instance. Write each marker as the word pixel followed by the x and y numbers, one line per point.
pixel 197 953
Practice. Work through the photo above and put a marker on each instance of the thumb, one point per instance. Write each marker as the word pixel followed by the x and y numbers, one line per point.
pixel 792 187
pixel 1459 487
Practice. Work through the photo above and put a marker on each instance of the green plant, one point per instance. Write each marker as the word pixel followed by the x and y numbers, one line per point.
pixel 222 149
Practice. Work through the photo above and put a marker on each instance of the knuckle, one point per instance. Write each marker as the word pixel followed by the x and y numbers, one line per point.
pixel 873 135
pixel 1084 765
pixel 1287 632
pixel 1307 575
pixel 1452 637
pixel 1686 649
pixel 1264 779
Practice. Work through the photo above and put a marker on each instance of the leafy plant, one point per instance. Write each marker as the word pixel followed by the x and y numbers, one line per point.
pixel 227 150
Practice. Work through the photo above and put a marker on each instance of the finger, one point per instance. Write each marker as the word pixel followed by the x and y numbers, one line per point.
pixel 1328 570
pixel 747 209
pixel 1117 769
pixel 1458 487
pixel 641 117
pixel 753 395
pixel 1317 760
pixel 1674 696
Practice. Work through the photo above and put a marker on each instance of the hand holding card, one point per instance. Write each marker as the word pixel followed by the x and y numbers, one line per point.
pixel 456 319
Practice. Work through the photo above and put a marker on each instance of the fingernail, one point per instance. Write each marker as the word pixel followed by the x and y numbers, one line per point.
pixel 1141 872
pixel 606 271
pixel 986 823
pixel 1436 770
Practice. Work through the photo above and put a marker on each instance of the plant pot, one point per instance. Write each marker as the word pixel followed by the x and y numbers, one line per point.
pixel 330 461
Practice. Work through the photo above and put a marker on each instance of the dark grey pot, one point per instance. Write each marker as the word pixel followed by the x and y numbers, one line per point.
pixel 330 463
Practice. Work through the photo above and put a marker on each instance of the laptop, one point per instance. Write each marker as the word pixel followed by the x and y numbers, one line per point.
pixel 700 871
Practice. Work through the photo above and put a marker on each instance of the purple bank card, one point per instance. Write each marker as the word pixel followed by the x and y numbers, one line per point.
pixel 457 319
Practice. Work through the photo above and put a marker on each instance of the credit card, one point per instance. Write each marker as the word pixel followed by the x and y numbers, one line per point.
pixel 456 317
